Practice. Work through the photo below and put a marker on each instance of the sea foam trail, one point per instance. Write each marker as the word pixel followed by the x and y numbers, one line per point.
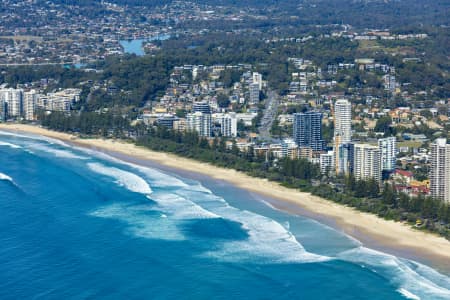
pixel 408 294
pixel 57 152
pixel 142 221
pixel 155 177
pixel 414 280
pixel 267 239
pixel 179 208
pixel 10 145
pixel 6 177
pixel 34 137
pixel 127 179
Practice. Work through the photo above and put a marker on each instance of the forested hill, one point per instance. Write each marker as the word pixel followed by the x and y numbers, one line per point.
pixel 359 13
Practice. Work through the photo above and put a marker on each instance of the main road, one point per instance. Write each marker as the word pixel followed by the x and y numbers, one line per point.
pixel 270 113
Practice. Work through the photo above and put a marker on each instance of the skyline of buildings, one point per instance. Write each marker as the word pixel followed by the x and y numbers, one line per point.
pixel 307 141
pixel 18 103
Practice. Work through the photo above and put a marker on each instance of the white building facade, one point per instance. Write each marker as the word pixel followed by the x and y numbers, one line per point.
pixel 342 128
pixel 14 101
pixel 388 152
pixel 440 170
pixel 199 122
pixel 367 163
pixel 227 122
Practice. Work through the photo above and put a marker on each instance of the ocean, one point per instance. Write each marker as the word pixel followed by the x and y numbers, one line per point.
pixel 79 224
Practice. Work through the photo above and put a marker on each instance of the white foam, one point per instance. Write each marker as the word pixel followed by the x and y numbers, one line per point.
pixel 129 180
pixel 159 179
pixel 403 273
pixel 140 223
pixel 6 177
pixel 180 208
pixel 267 239
pixel 34 137
pixel 10 145
pixel 408 294
pixel 57 152
pixel 155 177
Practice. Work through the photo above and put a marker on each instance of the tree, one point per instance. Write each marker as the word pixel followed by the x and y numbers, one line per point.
pixel 223 100
pixel 384 125
pixel 389 197
pixel 426 113
pixel 180 113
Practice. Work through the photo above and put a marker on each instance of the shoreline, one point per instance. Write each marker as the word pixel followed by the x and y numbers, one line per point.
pixel 387 236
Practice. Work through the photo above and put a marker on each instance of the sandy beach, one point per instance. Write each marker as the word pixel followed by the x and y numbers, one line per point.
pixel 362 226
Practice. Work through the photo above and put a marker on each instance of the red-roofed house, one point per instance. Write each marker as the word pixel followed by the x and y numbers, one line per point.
pixel 402 176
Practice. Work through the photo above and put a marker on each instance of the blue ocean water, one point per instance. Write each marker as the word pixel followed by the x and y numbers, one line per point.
pixel 77 224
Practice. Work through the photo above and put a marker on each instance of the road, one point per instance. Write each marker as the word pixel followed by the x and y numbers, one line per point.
pixel 270 113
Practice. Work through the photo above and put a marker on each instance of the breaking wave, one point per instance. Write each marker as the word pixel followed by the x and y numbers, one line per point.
pixel 6 177
pixel 123 178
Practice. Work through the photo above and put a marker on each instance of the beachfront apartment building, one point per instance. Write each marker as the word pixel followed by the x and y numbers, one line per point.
pixel 13 98
pixel 342 115
pixel 29 104
pixel 15 103
pixel 326 162
pixel 367 163
pixel 343 120
pixel 199 122
pixel 440 170
pixel 388 152
pixel 307 130
pixel 289 149
pixel 346 158
pixel 227 123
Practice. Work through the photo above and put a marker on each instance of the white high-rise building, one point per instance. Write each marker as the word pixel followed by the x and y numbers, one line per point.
pixel 14 100
pixel 257 78
pixel 343 120
pixel 29 104
pixel 253 93
pixel 326 162
pixel 367 162
pixel 289 149
pixel 3 110
pixel 199 122
pixel 15 105
pixel 342 128
pixel 388 152
pixel 227 122
pixel 440 170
